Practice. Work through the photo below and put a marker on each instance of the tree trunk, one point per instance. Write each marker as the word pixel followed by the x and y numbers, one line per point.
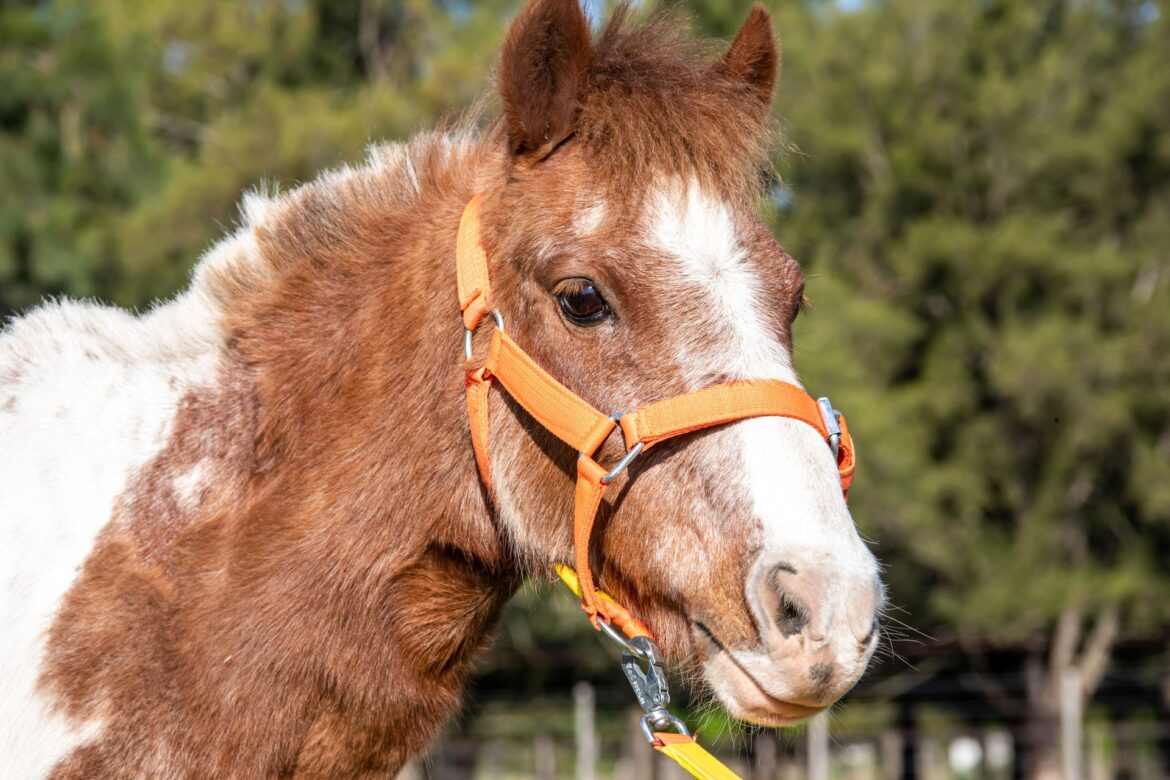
pixel 1058 691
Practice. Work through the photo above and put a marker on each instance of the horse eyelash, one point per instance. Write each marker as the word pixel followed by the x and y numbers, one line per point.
pixel 571 286
pixel 803 303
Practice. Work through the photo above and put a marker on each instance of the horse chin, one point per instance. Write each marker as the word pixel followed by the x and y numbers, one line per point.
pixel 744 696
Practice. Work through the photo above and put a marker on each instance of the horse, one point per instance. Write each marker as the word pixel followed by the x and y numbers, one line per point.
pixel 244 532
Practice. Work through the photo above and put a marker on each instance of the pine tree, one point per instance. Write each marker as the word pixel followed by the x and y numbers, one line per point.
pixel 981 197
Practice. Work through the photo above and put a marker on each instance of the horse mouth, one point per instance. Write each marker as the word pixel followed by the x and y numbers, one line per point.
pixel 742 695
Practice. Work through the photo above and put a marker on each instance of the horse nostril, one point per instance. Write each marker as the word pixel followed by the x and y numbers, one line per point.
pixel 791 617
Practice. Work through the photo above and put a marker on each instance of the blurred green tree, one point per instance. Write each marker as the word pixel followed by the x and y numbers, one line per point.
pixel 130 128
pixel 75 150
pixel 982 199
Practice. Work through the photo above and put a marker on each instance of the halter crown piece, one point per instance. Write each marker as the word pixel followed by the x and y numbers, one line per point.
pixel 579 425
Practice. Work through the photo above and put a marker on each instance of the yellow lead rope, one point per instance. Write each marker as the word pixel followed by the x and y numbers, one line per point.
pixel 683 749
pixel 692 756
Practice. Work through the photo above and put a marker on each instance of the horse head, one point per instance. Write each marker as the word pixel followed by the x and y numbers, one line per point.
pixel 628 259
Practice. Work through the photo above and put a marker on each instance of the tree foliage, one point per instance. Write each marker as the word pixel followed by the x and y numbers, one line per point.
pixel 130 128
pixel 982 193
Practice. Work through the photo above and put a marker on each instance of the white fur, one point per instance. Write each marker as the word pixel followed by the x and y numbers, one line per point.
pixel 701 233
pixel 189 487
pixel 589 218
pixel 787 468
pixel 87 395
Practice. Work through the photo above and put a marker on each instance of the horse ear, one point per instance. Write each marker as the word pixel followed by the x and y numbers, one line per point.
pixel 542 69
pixel 754 56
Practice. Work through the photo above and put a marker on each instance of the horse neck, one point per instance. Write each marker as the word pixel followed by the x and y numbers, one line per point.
pixel 355 354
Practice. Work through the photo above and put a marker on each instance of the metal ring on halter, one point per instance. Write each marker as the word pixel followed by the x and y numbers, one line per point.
pixel 626 460
pixel 624 463
pixel 467 350
pixel 618 638
pixel 661 720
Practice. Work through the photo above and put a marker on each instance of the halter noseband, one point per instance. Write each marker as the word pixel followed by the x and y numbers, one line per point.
pixel 575 422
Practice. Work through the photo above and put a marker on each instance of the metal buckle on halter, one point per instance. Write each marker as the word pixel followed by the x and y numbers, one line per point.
pixel 830 415
pixel 467 334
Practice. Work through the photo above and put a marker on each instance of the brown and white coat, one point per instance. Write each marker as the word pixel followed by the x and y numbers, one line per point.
pixel 243 534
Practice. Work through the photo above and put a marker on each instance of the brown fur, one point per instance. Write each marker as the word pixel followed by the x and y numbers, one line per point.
pixel 316 613
pixel 654 102
pixel 752 59
pixel 544 59
pixel 211 431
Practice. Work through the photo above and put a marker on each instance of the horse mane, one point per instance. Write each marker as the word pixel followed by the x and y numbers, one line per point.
pixel 391 179
pixel 653 103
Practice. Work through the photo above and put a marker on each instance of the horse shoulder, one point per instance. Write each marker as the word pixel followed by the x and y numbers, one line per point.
pixel 87 397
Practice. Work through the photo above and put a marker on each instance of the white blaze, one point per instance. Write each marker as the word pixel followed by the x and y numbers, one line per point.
pixel 788 470
pixel 701 233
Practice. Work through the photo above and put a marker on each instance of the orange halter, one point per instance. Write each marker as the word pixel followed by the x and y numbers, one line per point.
pixel 575 422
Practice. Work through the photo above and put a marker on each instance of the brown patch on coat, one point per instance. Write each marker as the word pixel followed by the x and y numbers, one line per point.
pixel 211 432
pixel 214 674
pixel 316 613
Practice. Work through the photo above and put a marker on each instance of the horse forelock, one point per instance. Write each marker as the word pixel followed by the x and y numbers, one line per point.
pixel 655 104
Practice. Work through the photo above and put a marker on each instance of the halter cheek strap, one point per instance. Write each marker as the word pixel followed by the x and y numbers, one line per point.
pixel 579 425
pixel 582 427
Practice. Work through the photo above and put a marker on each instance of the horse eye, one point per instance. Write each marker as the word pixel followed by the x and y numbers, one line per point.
pixel 582 302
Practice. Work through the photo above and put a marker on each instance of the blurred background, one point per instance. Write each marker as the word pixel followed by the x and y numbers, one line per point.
pixel 979 191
